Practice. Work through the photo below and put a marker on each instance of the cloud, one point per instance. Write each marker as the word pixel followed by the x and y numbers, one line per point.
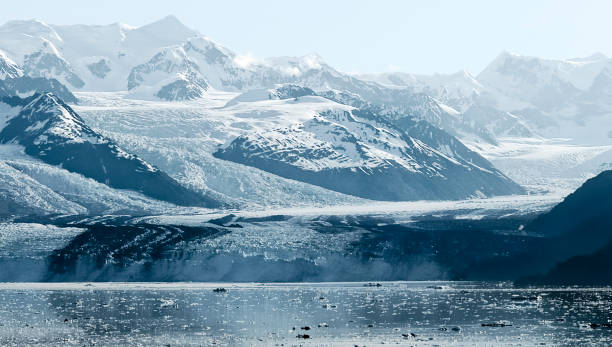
pixel 245 60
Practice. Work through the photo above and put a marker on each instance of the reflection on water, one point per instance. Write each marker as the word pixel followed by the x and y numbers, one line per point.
pixel 405 313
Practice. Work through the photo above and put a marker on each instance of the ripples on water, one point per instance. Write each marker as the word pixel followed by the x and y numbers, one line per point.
pixel 404 313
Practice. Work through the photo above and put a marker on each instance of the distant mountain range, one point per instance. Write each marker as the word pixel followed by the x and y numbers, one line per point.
pixel 392 136
pixel 552 98
pixel 514 96
pixel 355 137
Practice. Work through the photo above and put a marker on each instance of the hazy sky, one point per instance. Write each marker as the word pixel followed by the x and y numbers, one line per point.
pixel 364 36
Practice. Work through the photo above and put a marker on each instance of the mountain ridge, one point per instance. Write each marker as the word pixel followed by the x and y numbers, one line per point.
pixel 51 131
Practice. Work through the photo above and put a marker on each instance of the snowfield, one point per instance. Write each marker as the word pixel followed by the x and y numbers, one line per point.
pixel 545 165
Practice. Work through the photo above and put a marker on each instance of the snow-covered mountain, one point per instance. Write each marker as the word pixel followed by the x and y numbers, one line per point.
pixel 556 98
pixel 135 76
pixel 546 97
pixel 359 152
pixel 88 57
pixel 51 131
pixel 457 90
pixel 542 121
pixel 541 83
pixel 8 68
pixel 168 61
pixel 27 86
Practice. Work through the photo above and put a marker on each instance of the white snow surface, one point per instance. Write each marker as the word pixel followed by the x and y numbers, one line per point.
pixel 399 211
pixel 39 188
pixel 546 165
pixel 558 90
pixel 179 138
pixel 122 46
pixel 455 89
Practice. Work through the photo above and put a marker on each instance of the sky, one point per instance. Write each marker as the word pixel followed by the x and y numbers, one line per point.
pixel 416 36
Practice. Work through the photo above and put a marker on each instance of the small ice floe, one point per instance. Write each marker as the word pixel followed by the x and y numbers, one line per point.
pixel 167 303
pixel 455 329
pixel 517 297
pixel 500 324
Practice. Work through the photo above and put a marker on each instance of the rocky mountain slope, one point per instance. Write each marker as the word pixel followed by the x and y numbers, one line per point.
pixel 581 229
pixel 51 131
pixel 360 152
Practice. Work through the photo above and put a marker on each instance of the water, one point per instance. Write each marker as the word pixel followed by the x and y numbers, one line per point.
pixel 398 313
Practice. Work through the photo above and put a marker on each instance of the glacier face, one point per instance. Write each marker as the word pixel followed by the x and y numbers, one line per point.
pixel 369 241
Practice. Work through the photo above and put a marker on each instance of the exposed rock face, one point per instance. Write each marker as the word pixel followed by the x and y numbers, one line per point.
pixel 27 86
pixel 99 69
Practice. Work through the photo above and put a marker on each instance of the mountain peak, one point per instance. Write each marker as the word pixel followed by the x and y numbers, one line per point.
pixel 170 25
pixel 170 19
pixel 503 55
pixel 164 32
pixel 312 56
pixel 49 104
pixel 8 68
pixel 29 28
pixel 597 56
pixel 24 22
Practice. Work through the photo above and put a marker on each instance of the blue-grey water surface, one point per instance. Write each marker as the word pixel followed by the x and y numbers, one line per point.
pixel 321 314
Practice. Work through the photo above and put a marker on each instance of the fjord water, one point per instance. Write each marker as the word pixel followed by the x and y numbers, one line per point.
pixel 404 313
